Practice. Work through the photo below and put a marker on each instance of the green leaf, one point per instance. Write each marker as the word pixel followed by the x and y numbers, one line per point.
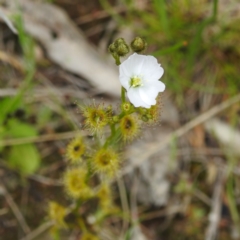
pixel 20 129
pixel 25 158
pixel 161 8
pixel 7 106
pixel 3 133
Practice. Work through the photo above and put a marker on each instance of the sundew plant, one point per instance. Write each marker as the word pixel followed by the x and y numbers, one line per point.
pixel 93 166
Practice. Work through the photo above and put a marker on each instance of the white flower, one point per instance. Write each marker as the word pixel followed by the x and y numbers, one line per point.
pixel 140 75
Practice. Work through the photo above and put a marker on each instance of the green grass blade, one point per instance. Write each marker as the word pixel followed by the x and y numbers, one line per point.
pixel 160 7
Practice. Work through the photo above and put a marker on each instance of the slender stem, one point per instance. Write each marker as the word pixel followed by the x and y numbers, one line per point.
pixel 123 97
pixel 117 60
pixel 122 114
pixel 78 205
pixel 231 200
pixel 82 225
pixel 124 203
pixel 215 10
pixel 112 126
pixel 113 138
pixel 113 129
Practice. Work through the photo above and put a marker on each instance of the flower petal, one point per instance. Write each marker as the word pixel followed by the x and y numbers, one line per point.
pixel 132 66
pixel 151 70
pixel 148 96
pixel 150 91
pixel 135 98
pixel 125 81
pixel 153 88
pixel 153 74
pixel 158 85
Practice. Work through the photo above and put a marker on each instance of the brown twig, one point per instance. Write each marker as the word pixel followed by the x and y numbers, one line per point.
pixel 12 60
pixel 124 202
pixel 15 209
pixel 41 229
pixel 215 213
pixel 41 138
pixel 4 18
pixel 44 227
pixel 45 180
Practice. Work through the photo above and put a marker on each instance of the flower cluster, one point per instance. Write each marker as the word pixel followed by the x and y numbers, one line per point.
pixel 94 164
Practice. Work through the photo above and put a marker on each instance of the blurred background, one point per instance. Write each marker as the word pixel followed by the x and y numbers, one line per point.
pixel 182 175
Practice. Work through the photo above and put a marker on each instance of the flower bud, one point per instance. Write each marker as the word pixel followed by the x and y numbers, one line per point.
pixel 74 181
pixel 129 127
pixel 106 161
pixel 57 213
pixel 138 45
pixel 89 236
pixel 144 118
pixel 115 119
pixel 75 150
pixel 96 117
pixel 112 48
pixel 121 48
pixel 152 114
pixel 105 196
pixel 126 107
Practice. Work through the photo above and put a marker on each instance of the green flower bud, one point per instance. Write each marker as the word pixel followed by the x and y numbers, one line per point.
pixel 121 48
pixel 112 48
pixel 126 107
pixel 115 119
pixel 138 45
pixel 149 116
pixel 142 111
pixel 144 118
pixel 109 110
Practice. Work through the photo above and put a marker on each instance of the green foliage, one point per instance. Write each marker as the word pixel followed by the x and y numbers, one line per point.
pixel 8 105
pixel 27 44
pixel 25 158
pixel 18 129
pixel 161 10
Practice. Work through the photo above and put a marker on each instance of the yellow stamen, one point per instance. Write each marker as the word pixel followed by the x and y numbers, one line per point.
pixel 135 82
